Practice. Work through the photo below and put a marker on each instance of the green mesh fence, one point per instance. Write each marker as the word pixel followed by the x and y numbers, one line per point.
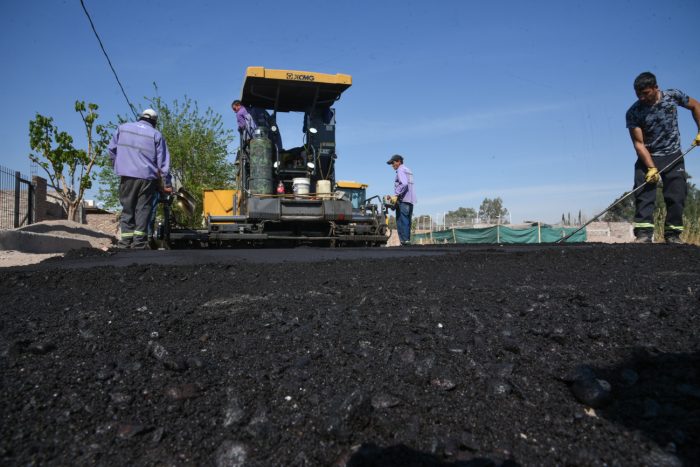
pixel 501 234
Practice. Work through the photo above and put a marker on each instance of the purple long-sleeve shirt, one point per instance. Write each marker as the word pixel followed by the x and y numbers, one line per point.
pixel 403 185
pixel 138 150
pixel 246 124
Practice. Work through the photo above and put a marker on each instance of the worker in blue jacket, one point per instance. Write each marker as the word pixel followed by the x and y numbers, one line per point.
pixel 141 159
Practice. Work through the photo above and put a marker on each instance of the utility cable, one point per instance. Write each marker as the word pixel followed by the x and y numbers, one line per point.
pixel 133 110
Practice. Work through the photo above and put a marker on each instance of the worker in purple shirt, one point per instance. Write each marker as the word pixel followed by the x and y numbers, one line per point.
pixel 405 198
pixel 246 124
pixel 140 157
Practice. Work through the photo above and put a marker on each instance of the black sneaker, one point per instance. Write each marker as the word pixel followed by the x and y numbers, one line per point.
pixel 674 239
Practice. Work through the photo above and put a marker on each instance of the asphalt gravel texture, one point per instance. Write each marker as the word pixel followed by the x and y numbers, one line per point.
pixel 496 356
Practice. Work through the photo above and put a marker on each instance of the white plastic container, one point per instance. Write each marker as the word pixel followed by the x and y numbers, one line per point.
pixel 300 186
pixel 323 189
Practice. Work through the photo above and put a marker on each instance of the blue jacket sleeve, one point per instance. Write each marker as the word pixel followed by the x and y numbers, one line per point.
pixel 163 160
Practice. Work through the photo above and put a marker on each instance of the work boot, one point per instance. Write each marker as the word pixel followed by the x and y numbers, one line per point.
pixel 674 239
pixel 643 237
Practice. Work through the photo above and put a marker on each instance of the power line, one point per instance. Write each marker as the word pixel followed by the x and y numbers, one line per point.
pixel 107 57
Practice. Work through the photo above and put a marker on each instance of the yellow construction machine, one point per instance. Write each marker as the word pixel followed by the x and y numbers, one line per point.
pixel 285 197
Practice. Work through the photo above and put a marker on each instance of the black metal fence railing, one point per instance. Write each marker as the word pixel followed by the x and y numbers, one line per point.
pixel 16 199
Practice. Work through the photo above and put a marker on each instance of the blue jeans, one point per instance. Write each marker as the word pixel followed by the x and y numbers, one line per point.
pixel 404 213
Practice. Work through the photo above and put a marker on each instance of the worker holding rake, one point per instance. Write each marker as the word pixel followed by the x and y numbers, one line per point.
pixel 653 125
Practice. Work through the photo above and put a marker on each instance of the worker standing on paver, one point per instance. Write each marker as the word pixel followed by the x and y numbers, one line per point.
pixel 246 124
pixel 405 198
pixel 140 157
pixel 653 125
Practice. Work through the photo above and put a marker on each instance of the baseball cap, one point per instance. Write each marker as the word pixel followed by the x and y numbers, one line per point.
pixel 395 158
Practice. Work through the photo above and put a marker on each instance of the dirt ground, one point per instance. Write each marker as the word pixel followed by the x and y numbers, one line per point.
pixel 568 355
pixel 62 229
pixel 10 258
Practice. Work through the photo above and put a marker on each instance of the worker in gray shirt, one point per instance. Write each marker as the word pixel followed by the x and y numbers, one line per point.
pixel 653 125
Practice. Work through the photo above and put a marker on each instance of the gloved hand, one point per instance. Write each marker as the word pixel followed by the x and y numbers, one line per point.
pixel 389 199
pixel 696 141
pixel 652 175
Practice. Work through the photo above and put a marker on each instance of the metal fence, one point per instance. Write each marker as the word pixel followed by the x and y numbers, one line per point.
pixel 442 222
pixel 16 199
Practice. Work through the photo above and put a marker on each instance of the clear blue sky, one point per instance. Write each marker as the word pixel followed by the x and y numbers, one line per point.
pixel 522 100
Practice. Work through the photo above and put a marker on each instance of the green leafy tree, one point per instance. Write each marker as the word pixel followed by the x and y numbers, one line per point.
pixel 622 212
pixel 460 215
pixel 691 215
pixel 198 145
pixel 493 210
pixel 70 170
pixel 108 192
pixel 659 212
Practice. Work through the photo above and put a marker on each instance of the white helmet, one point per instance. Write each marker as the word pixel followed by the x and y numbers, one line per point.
pixel 150 114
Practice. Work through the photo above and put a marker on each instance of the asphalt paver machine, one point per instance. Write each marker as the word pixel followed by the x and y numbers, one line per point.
pixel 285 197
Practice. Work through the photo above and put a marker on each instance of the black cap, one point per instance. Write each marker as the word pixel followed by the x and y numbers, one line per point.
pixel 395 158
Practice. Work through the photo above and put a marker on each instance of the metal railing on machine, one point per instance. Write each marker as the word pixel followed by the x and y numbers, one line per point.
pixel 16 199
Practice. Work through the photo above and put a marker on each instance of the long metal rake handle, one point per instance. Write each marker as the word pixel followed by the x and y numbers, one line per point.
pixel 623 197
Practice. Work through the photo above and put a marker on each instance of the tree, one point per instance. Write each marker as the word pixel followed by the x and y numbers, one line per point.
pixel 691 215
pixel 621 212
pixel 69 169
pixel 108 192
pixel 493 210
pixel 460 215
pixel 198 145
